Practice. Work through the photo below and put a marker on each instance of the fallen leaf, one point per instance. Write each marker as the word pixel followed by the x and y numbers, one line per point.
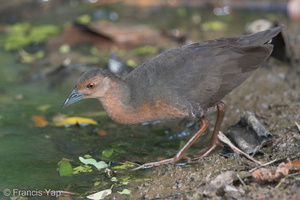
pixel 43 108
pixel 296 163
pixel 70 121
pixel 100 195
pixel 265 176
pixel 114 179
pixel 125 165
pixel 125 191
pixel 65 167
pixel 108 152
pixel 92 161
pixel 39 121
pixel 26 57
pixel 101 132
pixel 83 169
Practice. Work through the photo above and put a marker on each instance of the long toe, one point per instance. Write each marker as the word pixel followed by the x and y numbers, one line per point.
pixel 206 151
pixel 153 164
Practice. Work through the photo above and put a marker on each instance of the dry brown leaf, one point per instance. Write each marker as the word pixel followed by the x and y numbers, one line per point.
pixel 296 163
pixel 101 132
pixel 265 176
pixel 39 121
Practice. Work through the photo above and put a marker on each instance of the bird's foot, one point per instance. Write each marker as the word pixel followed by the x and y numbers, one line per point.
pixel 206 151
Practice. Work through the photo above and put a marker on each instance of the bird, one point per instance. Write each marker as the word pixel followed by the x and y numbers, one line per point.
pixel 185 82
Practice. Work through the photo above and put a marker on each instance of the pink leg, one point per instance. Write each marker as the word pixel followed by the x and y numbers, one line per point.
pixel 214 140
pixel 179 155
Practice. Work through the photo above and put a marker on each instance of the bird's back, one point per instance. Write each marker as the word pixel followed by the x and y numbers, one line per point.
pixel 197 76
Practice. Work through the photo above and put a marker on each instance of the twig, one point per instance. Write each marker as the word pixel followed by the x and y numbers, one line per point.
pixel 244 184
pixel 263 165
pixel 298 126
pixel 224 139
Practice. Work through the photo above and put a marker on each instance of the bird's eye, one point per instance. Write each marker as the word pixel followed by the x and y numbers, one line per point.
pixel 91 85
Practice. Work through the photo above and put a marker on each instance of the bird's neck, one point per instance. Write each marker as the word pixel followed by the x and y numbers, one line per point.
pixel 116 102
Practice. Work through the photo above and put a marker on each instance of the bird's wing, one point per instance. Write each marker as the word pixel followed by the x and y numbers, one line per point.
pixel 198 73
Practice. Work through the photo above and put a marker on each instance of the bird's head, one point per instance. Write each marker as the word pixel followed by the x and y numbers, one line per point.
pixel 92 84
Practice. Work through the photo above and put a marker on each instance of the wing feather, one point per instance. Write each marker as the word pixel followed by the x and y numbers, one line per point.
pixel 200 74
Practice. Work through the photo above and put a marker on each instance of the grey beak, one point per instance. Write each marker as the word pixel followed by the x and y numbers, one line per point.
pixel 74 97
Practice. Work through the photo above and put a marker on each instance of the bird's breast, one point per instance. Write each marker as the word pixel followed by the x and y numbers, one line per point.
pixel 131 114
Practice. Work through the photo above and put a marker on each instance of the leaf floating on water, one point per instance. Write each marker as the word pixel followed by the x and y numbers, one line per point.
pixel 108 152
pixel 26 57
pixel 39 121
pixel 101 132
pixel 92 161
pixel 71 121
pixel 22 34
pixel 83 169
pixel 100 195
pixel 114 179
pixel 65 167
pixel 43 108
pixel 125 191
pixel 125 165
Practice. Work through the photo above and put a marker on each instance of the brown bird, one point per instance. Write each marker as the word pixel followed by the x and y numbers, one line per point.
pixel 188 81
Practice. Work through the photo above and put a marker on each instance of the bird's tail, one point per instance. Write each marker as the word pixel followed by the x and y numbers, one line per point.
pixel 262 37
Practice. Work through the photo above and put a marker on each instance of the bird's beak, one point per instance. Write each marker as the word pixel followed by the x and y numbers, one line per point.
pixel 74 97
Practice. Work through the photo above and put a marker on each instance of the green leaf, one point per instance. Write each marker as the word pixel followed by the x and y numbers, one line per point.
pixel 92 161
pixel 125 191
pixel 65 167
pixel 84 19
pixel 64 48
pixel 124 166
pixel 97 183
pixel 83 169
pixel 87 156
pixel 108 152
pixel 23 34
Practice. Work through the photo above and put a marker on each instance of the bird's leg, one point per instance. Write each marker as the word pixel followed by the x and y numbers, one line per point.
pixel 179 155
pixel 214 140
